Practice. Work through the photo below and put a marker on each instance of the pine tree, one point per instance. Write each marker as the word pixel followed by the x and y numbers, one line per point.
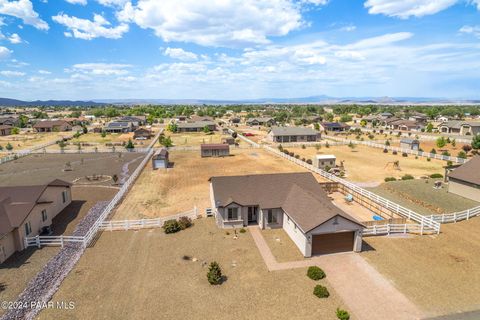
pixel 214 274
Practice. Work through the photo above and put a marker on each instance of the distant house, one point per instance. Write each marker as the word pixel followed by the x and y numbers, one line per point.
pixel 293 201
pixel 334 127
pixel 13 121
pixel 465 180
pixel 160 159
pixel 466 128
pixel 214 150
pixel 405 125
pixel 180 118
pixel 385 115
pixel 441 119
pixel 261 121
pixel 292 134
pixel 136 121
pixel 235 120
pixel 5 130
pixel 196 126
pixel 195 118
pixel 228 140
pixel 142 134
pixel 323 161
pixel 27 211
pixel 418 117
pixel 52 126
pixel 411 144
pixel 118 127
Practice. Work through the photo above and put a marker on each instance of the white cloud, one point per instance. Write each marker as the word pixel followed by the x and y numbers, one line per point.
pixel 23 9
pixel 88 30
pixel 473 30
pixel 348 28
pixel 216 23
pixel 15 39
pixel 4 52
pixel 180 54
pixel 9 73
pixel 101 69
pixel 80 2
pixel 44 72
pixel 407 8
pixel 112 3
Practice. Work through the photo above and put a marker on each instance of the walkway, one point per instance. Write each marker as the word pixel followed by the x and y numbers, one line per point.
pixel 364 290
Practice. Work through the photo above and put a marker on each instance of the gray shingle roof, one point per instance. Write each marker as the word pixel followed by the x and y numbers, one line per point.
pixel 293 131
pixel 468 172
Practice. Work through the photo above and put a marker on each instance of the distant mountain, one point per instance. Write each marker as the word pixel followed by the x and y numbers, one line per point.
pixel 5 102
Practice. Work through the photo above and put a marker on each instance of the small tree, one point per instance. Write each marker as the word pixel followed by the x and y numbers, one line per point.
pixel 115 179
pixel 206 129
pixel 9 147
pixel 84 130
pixel 214 274
pixel 351 146
pixel 171 226
pixel 172 127
pixel 441 142
pixel 129 145
pixel 342 314
pixel 103 134
pixel 454 143
pixel 15 130
pixel 476 142
pixel 387 143
pixel 321 291
pixel 429 127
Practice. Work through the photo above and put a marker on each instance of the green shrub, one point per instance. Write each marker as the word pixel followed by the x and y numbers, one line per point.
pixel 171 226
pixel 408 177
pixel 321 291
pixel 184 222
pixel 388 179
pixel 436 176
pixel 214 274
pixel 242 230
pixel 315 273
pixel 342 314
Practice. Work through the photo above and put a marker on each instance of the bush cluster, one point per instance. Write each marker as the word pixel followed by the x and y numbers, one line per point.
pixel 408 177
pixel 315 273
pixel 388 179
pixel 436 176
pixel 342 314
pixel 321 291
pixel 171 226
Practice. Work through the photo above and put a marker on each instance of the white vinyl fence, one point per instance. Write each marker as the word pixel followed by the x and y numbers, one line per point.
pixel 456 216
pixel 388 229
pixel 89 151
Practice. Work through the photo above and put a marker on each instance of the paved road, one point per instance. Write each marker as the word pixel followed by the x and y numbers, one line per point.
pixel 472 315
pixel 364 290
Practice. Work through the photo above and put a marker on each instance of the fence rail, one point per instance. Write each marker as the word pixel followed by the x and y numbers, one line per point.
pixel 41 241
pixel 387 229
pixel 88 151
pixel 456 216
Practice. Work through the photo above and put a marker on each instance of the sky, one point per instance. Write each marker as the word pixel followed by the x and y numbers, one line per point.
pixel 239 49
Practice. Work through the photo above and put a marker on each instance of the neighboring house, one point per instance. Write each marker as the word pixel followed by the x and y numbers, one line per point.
pixel 180 118
pixel 228 140
pixel 10 121
pixel 136 121
pixel 195 118
pixel 333 127
pixel 27 211
pixel 293 201
pixel 292 134
pixel 418 117
pixel 5 130
pixel 142 134
pixel 441 119
pixel 52 126
pixel 196 126
pixel 385 115
pixel 465 128
pixel 405 125
pixel 411 144
pixel 160 159
pixel 261 121
pixel 215 150
pixel 235 120
pixel 465 180
pixel 323 161
pixel 118 127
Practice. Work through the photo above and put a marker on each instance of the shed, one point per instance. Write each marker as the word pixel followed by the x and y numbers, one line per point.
pixel 142 134
pixel 228 140
pixel 411 144
pixel 160 159
pixel 322 161
pixel 215 150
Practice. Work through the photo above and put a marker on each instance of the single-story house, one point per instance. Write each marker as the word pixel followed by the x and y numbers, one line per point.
pixel 27 211
pixel 13 121
pixel 405 125
pixel 465 180
pixel 195 118
pixel 295 202
pixel 292 134
pixel 5 130
pixel 142 134
pixel 215 150
pixel 411 144
pixel 235 120
pixel 228 140
pixel 118 127
pixel 52 126
pixel 441 119
pixel 386 115
pixel 333 127
pixel 418 117
pixel 160 159
pixel 136 121
pixel 460 127
pixel 322 161
pixel 261 121
pixel 180 118
pixel 196 126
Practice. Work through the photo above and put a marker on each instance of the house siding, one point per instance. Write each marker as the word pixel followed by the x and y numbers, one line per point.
pixel 297 236
pixel 7 246
pixel 464 189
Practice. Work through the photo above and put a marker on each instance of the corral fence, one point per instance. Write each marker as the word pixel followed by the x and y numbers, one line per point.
pixel 89 151
pixel 397 149
pixel 388 229
pixel 456 216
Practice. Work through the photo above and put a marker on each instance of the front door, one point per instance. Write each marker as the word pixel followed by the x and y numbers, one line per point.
pixel 252 214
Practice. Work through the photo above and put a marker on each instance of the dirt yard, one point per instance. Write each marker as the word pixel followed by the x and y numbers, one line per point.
pixel 422 197
pixel 428 145
pixel 189 139
pixel 178 189
pixel 43 168
pixel 366 165
pixel 163 281
pixel 439 273
pixel 259 132
pixel 281 245
pixel 25 141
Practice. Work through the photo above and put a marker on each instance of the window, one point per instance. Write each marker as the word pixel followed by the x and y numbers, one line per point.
pixel 28 228
pixel 44 215
pixel 271 217
pixel 232 214
pixel 64 196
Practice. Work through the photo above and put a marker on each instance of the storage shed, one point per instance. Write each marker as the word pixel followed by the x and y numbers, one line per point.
pixel 215 150
pixel 411 144
pixel 160 159
pixel 322 161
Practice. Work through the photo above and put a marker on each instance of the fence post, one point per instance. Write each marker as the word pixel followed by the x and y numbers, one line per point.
pixel 455 217
pixel 468 214
pixel 405 229
pixel 37 239
pixel 61 240
pixel 375 229
pixel 421 228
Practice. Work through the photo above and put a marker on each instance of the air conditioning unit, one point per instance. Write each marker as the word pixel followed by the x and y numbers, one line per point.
pixel 47 230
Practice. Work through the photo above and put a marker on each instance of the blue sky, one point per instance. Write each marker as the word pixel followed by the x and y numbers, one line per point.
pixel 238 49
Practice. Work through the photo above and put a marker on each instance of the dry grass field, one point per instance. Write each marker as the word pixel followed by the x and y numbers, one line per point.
pixel 427 146
pixel 166 192
pixel 365 164
pixel 439 273
pixel 189 139
pixel 281 245
pixel 259 132
pixel 144 275
pixel 25 141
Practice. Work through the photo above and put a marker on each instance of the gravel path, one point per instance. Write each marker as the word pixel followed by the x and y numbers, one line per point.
pixel 125 170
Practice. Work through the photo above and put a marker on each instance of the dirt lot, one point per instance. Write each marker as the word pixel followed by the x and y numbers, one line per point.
pixel 427 146
pixel 259 132
pixel 420 196
pixel 439 273
pixel 26 141
pixel 43 168
pixel 365 164
pixel 178 189
pixel 190 139
pixel 281 245
pixel 149 265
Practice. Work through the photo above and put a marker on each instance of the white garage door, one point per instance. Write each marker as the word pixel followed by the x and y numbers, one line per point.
pixel 158 164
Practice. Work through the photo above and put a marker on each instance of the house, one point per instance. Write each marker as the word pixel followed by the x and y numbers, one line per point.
pixel 52 126
pixel 196 126
pixel 142 134
pixel 180 118
pixel 27 211
pixel 118 127
pixel 215 150
pixel 262 121
pixel 334 127
pixel 292 134
pixel 295 202
pixel 465 128
pixel 410 144
pixel 465 180
pixel 235 120
pixel 195 118
pixel 322 161
pixel 228 140
pixel 441 119
pixel 405 125
pixel 385 115
pixel 160 159
pixel 136 121
pixel 418 117
pixel 5 130
pixel 13 121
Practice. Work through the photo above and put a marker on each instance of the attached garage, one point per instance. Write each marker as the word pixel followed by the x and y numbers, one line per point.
pixel 333 242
